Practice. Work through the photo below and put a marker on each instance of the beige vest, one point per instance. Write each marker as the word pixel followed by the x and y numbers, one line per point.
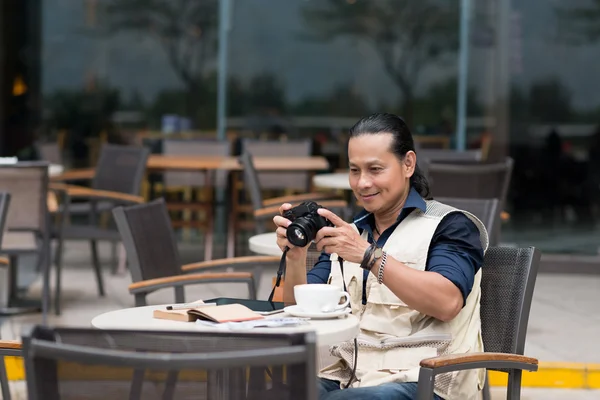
pixel 394 338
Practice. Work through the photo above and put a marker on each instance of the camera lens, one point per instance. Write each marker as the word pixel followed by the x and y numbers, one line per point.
pixel 297 236
pixel 301 232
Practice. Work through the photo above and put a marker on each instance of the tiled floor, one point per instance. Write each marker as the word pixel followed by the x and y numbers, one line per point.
pixel 564 323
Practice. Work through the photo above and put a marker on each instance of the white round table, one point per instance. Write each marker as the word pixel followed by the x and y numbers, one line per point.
pixel 265 244
pixel 338 180
pixel 328 331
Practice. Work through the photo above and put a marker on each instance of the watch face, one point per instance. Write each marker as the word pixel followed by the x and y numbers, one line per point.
pixel 378 252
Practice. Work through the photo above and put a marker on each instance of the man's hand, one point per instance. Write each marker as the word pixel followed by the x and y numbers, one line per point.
pixel 342 239
pixel 295 253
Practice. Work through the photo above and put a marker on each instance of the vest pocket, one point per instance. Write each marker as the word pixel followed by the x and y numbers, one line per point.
pixel 380 294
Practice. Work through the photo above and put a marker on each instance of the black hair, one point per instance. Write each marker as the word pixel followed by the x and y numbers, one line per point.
pixel 402 143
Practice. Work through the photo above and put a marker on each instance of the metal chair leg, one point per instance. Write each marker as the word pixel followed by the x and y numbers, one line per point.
pixel 58 262
pixel 97 268
pixel 4 380
pixel 426 383
pixel 486 388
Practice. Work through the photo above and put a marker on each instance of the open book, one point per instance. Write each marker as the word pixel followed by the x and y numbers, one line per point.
pixel 224 313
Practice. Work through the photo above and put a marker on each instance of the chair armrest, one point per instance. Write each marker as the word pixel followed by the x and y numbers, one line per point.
pixel 4 261
pixel 230 262
pixel 298 198
pixel 74 191
pixel 11 344
pixel 457 362
pixel 10 348
pixel 74 175
pixel 274 210
pixel 151 285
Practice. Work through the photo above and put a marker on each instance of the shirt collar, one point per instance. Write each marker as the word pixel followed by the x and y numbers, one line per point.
pixel 414 200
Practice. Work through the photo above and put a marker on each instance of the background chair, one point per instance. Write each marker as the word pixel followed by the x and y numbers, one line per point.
pixel 117 181
pixel 298 181
pixel 196 188
pixel 50 152
pixel 168 365
pixel 487 210
pixel 507 285
pixel 263 210
pixel 426 156
pixel 475 181
pixel 27 228
pixel 154 259
pixel 7 348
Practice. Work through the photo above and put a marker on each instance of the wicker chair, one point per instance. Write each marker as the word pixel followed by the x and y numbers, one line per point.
pixel 154 260
pixel 117 181
pixel 27 227
pixel 507 285
pixel 168 365
pixel 487 210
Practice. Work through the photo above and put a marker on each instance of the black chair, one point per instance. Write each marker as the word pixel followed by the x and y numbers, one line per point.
pixel 487 210
pixel 168 365
pixel 470 180
pixel 154 261
pixel 507 285
pixel 6 347
pixel 117 181
pixel 27 228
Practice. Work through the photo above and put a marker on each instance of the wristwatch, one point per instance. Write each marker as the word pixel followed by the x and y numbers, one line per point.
pixel 376 256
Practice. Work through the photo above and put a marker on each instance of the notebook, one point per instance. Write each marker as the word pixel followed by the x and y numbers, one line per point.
pixel 224 313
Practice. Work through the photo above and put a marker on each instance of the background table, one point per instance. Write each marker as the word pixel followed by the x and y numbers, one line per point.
pixel 338 180
pixel 265 244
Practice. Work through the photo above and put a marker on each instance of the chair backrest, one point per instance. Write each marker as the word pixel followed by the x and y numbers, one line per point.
pixel 168 365
pixel 149 241
pixel 4 206
pixel 251 181
pixel 475 181
pixel 50 152
pixel 440 155
pixel 487 210
pixel 507 283
pixel 189 147
pixel 27 183
pixel 291 149
pixel 120 168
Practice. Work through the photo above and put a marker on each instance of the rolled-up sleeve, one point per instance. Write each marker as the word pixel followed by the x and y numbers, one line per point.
pixel 455 252
pixel 321 270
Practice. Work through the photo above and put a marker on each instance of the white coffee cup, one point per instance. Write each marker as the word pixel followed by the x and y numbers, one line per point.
pixel 320 297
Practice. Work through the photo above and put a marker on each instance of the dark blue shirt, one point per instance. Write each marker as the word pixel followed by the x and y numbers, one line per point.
pixel 455 250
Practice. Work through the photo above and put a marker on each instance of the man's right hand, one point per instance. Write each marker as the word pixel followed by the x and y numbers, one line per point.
pixel 295 253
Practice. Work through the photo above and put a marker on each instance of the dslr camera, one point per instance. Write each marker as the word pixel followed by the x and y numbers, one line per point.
pixel 306 222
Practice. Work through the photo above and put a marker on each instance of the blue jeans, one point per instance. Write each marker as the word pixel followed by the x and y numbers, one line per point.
pixel 330 390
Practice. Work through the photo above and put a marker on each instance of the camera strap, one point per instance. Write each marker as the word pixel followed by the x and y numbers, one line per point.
pixel 352 376
pixel 280 272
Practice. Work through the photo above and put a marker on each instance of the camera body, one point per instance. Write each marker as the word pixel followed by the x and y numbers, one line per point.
pixel 306 222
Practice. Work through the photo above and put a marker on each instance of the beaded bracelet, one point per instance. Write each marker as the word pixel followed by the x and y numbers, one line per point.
pixel 381 267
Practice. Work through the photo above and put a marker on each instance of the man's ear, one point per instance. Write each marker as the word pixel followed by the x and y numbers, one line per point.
pixel 410 163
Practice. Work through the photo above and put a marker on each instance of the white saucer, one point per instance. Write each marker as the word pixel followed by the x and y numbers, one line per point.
pixel 296 311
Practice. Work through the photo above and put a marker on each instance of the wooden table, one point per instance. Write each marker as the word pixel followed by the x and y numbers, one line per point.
pixel 159 162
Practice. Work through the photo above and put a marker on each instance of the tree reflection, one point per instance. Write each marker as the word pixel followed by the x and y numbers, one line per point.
pixel 407 35
pixel 185 29
pixel 580 25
